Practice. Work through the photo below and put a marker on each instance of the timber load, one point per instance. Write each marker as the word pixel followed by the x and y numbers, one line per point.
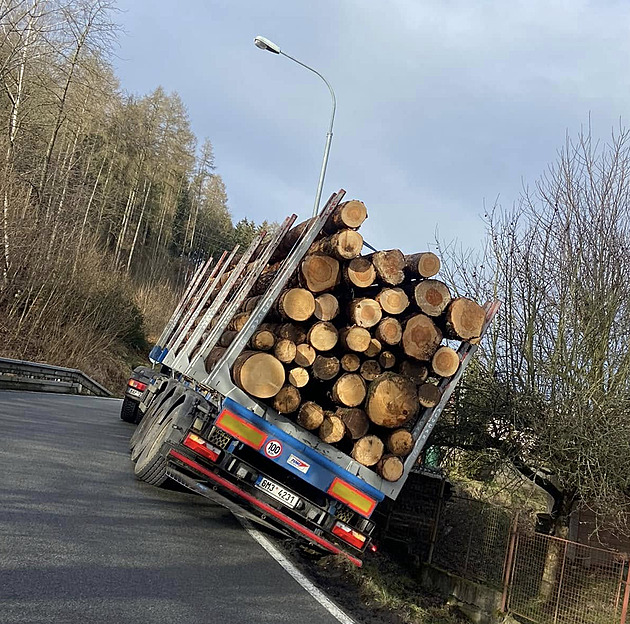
pixel 355 347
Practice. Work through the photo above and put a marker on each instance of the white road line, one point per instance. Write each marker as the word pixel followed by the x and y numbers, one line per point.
pixel 323 600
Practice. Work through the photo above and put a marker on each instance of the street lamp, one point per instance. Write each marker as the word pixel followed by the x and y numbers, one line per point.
pixel 270 46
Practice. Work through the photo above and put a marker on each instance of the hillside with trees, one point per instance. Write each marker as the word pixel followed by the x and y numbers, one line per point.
pixel 108 201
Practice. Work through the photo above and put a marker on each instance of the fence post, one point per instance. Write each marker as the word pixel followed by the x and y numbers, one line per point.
pixel 564 561
pixel 436 521
pixel 507 566
pixel 626 598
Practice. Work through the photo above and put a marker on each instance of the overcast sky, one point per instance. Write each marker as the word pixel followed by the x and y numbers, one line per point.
pixel 443 105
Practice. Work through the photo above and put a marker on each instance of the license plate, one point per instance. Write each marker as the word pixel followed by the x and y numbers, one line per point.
pixel 134 392
pixel 276 491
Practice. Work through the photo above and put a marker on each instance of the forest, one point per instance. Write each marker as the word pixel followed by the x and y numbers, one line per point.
pixel 109 201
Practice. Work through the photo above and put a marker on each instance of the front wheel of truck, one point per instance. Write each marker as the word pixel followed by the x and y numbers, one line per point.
pixel 129 411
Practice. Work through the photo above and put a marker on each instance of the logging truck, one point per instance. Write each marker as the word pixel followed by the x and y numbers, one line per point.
pixel 297 381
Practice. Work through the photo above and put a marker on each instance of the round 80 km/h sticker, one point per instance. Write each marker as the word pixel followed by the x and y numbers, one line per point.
pixel 273 449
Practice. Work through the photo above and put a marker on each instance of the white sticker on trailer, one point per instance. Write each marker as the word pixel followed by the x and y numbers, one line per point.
pixel 298 464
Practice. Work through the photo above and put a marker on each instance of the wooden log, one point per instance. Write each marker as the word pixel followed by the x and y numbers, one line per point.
pixel 350 214
pixel 390 467
pixel 325 368
pixel 464 319
pixel 310 416
pixel 387 359
pixel 370 370
pixel 326 307
pixel 304 355
pixel 238 321
pixel 332 428
pixel 262 340
pixel 368 450
pixel 343 245
pixel 393 300
pixel 421 338
pixel 424 264
pixel 374 348
pixel 349 390
pixel 319 273
pixel 298 377
pixel 323 336
pixel 415 371
pixel 364 312
pixel 227 337
pixel 400 442
pixel 259 374
pixel 251 303
pixel 291 332
pixel 350 362
pixel 359 272
pixel 287 400
pixel 289 239
pixel 355 338
pixel 432 296
pixel 445 362
pixel 297 304
pixel 391 400
pixel 213 357
pixel 429 395
pixel 285 350
pixel 356 421
pixel 389 266
pixel 389 331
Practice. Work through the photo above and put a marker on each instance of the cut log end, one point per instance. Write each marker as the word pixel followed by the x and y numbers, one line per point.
pixel 320 273
pixel 445 362
pixel 350 362
pixel 304 355
pixel 349 390
pixel 350 214
pixel 259 374
pixel 374 348
pixel 323 336
pixel 421 338
pixel 464 319
pixel 387 360
pixel 285 350
pixel 287 400
pixel 326 307
pixel 389 266
pixel 400 442
pixel 370 370
pixel 393 300
pixel 298 377
pixel 355 338
pixel 310 416
pixel 355 420
pixel 391 401
pixel 389 331
pixel 325 368
pixel 360 272
pixel 429 395
pixel 297 304
pixel 332 429
pixel 424 264
pixel 432 297
pixel 390 467
pixel 368 450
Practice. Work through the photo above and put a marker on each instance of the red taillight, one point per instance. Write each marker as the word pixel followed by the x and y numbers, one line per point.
pixel 373 547
pixel 138 385
pixel 199 445
pixel 241 429
pixel 349 535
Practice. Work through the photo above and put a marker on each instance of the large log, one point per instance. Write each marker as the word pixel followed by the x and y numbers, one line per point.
pixel 350 214
pixel 464 319
pixel 364 312
pixel 285 350
pixel 389 331
pixel 390 467
pixel 355 338
pixel 389 266
pixel 287 400
pixel 326 307
pixel 391 400
pixel 297 304
pixel 359 272
pixel 445 362
pixel 393 300
pixel 310 416
pixel 429 395
pixel 368 450
pixel 421 338
pixel 400 442
pixel 424 264
pixel 319 272
pixel 325 368
pixel 349 390
pixel 370 370
pixel 356 421
pixel 323 336
pixel 343 245
pixel 332 428
pixel 259 374
pixel 417 372
pixel 432 296
pixel 350 362
pixel 304 355
pixel 298 377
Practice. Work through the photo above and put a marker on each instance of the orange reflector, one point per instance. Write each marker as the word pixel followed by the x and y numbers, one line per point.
pixel 348 534
pixel 241 429
pixel 138 385
pixel 199 445
pixel 352 497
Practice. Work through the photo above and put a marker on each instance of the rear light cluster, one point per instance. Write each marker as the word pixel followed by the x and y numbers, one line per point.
pixel 138 385
pixel 199 445
pixel 349 535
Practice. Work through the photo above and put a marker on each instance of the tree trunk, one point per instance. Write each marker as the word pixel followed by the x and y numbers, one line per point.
pixel 424 265
pixel 350 362
pixel 400 442
pixel 359 272
pixel 287 400
pixel 310 416
pixel 349 390
pixel 326 307
pixel 323 336
pixel 325 368
pixel 389 266
pixel 393 300
pixel 319 273
pixel 464 319
pixel 445 362
pixel 259 374
pixel 391 400
pixel 389 331
pixel 297 304
pixel 421 338
pixel 432 296
pixel 390 467
pixel 355 338
pixel 364 312
pixel 343 245
pixel 368 450
pixel 332 429
pixel 355 420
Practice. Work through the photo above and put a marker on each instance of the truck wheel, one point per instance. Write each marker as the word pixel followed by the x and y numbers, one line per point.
pixel 165 392
pixel 151 465
pixel 129 411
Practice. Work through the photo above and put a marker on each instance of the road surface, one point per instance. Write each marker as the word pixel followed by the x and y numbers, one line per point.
pixel 81 540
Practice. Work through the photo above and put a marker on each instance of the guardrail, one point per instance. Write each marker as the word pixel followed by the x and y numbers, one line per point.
pixel 21 375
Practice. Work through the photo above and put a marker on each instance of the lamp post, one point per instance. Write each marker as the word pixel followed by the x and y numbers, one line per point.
pixel 265 44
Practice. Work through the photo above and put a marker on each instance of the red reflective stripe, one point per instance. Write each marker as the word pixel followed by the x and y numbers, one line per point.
pixel 266 508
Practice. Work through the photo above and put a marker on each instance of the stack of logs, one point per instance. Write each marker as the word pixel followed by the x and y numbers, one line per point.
pixel 353 349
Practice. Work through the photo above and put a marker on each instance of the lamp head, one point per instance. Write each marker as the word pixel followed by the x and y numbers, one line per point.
pixel 265 44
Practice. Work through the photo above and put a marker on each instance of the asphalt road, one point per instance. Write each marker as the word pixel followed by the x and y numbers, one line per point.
pixel 81 540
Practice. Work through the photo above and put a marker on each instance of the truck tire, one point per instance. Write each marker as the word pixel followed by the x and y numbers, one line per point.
pixel 129 411
pixel 151 464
